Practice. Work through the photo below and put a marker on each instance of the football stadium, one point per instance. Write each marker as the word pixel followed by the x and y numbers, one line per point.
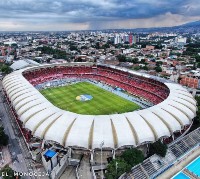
pixel 86 107
pixel 170 109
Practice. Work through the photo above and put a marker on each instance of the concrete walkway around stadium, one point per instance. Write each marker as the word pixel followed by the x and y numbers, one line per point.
pixel 5 157
pixel 180 165
pixel 84 169
pixel 70 172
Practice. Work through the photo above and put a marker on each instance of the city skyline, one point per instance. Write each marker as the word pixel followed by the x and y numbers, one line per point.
pixel 31 15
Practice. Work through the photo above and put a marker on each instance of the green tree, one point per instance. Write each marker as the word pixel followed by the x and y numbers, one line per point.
pixel 196 122
pixel 198 65
pixel 7 173
pixel 116 168
pixel 158 46
pixel 37 60
pixel 79 59
pixel 133 156
pixel 143 46
pixel 194 66
pixel 84 47
pixel 135 60
pixel 129 59
pixel 106 46
pixel 158 63
pixel 59 54
pixel 143 61
pixel 4 68
pixel 121 58
pixel 136 68
pixel 197 118
pixel 145 68
pixel 97 46
pixel 72 47
pixel 3 137
pixel 150 56
pixel 197 57
pixel 158 148
pixel 158 69
pixel 14 45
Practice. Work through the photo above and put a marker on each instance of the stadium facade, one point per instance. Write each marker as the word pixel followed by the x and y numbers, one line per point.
pixel 173 110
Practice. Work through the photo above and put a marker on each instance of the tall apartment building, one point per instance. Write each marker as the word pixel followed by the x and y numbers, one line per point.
pixel 117 39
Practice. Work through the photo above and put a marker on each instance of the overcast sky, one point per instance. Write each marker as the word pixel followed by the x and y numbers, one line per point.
pixel 17 15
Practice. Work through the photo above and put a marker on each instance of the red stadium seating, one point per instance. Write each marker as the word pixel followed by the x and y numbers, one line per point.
pixel 149 89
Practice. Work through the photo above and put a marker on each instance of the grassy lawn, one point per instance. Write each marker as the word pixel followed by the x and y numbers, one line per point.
pixel 103 102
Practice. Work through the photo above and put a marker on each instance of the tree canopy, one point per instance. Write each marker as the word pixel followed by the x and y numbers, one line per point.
pixel 196 122
pixel 4 68
pixel 158 148
pixel 73 47
pixel 158 69
pixel 121 58
pixel 124 163
pixel 3 137
pixel 58 54
pixel 197 118
pixel 7 173
pixel 133 156
pixel 143 61
pixel 197 58
pixel 116 168
pixel 192 49
pixel 145 68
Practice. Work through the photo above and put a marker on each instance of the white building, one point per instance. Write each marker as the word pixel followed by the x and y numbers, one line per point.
pixel 117 39
pixel 180 39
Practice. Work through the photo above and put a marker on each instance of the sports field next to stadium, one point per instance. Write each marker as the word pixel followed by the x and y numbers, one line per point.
pixel 100 101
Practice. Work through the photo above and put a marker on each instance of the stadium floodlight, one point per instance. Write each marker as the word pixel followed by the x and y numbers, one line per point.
pixel 101 146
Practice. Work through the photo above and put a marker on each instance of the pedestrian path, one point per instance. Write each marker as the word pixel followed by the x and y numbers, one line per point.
pixel 5 157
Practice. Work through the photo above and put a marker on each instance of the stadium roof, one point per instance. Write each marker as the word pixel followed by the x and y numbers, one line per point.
pixel 20 64
pixel 87 131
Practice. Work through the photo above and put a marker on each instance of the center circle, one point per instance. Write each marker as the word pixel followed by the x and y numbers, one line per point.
pixel 84 97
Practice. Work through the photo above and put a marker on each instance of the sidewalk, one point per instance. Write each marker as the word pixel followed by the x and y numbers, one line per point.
pixel 6 157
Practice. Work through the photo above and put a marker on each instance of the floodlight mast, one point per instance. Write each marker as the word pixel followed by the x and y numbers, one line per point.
pixel 101 146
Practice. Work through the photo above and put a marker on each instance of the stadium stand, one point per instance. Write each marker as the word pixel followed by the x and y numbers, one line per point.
pixel 156 165
pixel 149 89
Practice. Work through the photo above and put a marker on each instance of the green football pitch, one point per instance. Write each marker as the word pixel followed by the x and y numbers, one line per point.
pixel 103 102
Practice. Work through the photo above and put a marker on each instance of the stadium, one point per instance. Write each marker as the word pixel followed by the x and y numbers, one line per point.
pixel 81 105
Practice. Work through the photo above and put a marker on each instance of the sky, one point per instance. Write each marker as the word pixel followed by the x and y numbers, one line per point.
pixel 61 15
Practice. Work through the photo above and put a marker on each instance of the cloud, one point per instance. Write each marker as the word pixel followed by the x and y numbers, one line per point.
pixel 164 20
pixel 95 14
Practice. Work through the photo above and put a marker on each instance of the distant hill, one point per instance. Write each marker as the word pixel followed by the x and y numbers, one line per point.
pixel 190 27
pixel 192 24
